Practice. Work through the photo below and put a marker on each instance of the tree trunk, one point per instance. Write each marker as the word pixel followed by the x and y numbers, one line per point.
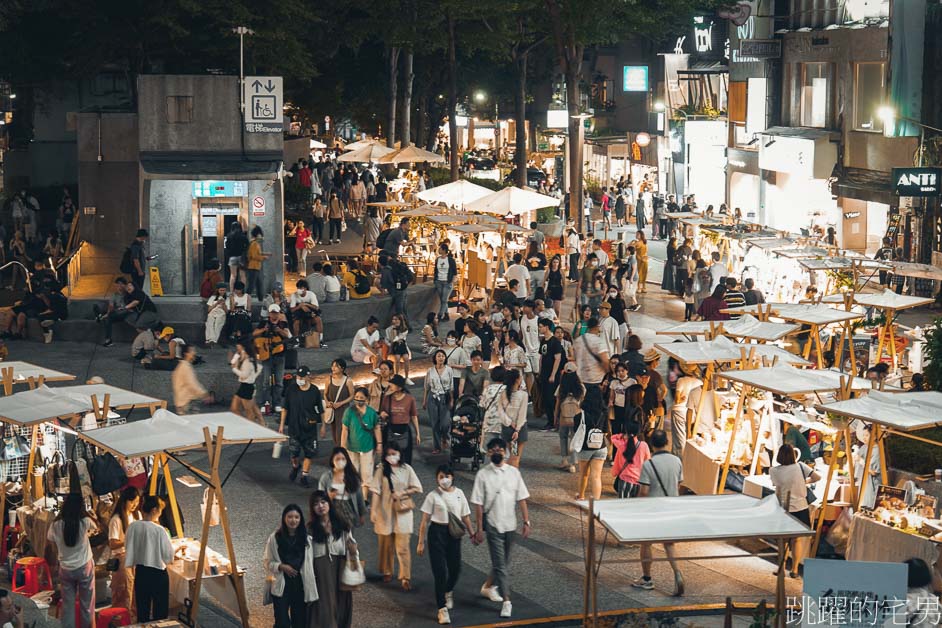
pixel 452 98
pixel 393 59
pixel 520 151
pixel 421 119
pixel 575 143
pixel 405 132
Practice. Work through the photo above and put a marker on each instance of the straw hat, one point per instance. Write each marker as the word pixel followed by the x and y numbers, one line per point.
pixel 691 370
pixel 651 356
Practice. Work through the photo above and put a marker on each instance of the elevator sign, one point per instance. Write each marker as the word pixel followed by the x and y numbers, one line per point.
pixel 917 181
pixel 263 98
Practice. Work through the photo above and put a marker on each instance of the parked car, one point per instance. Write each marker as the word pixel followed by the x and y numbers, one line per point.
pixel 535 176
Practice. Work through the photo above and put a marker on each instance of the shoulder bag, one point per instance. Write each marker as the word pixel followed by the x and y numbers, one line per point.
pixel 352 576
pixel 329 412
pixel 455 526
pixel 578 437
pixel 107 474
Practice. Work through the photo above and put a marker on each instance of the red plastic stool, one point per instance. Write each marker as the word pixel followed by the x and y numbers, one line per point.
pixel 4 541
pixel 30 567
pixel 114 615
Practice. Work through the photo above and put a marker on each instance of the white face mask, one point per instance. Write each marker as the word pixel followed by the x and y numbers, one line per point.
pixel 301 382
pixel 445 483
pixel 340 463
pixel 450 341
pixel 392 459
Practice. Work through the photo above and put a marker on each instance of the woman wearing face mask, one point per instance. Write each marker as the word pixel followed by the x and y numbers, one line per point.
pixel 399 411
pixel 331 542
pixel 342 483
pixel 444 550
pixel 379 387
pixel 512 408
pixel 361 436
pixel 514 356
pixel 457 357
pixel 437 399
pixel 394 483
pixel 618 398
pixel 289 563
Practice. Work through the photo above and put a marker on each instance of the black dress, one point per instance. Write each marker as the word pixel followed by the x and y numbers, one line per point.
pixel 667 282
pixel 554 285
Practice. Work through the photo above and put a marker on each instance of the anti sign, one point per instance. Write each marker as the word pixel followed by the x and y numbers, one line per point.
pixel 258 206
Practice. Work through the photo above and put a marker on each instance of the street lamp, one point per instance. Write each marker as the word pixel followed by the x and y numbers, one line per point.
pixel 480 96
pixel 242 31
pixel 659 106
pixel 889 116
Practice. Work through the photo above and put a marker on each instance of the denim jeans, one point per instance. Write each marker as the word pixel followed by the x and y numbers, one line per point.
pixel 268 390
pixel 78 583
pixel 443 290
pixel 439 416
pixel 565 435
pixel 253 283
pixel 498 546
pixel 399 302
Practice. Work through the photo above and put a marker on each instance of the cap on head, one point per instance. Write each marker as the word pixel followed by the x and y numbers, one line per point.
pixel 166 331
pixel 142 233
pixel 303 371
pixel 274 307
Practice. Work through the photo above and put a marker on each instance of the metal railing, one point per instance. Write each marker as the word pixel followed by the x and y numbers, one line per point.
pixel 29 285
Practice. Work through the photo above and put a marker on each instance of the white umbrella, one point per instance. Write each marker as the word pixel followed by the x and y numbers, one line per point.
pixel 317 144
pixel 454 194
pixel 366 154
pixel 411 154
pixel 511 201
pixel 361 143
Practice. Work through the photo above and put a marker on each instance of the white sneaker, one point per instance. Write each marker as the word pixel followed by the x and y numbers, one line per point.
pixel 449 600
pixel 409 382
pixel 278 409
pixel 443 617
pixel 506 609
pixel 491 593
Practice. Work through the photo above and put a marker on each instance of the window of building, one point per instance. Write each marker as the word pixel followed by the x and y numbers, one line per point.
pixel 179 109
pixel 869 94
pixel 817 94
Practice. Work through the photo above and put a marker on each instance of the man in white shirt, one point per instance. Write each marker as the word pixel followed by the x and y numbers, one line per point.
pixel 365 347
pixel 718 271
pixel 600 253
pixel 519 272
pixel 545 312
pixel 498 488
pixel 530 338
pixel 305 309
pixel 591 365
pixel 609 330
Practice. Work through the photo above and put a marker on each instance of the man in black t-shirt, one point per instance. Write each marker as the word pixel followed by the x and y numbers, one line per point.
pixel 552 358
pixel 301 416
pixel 137 309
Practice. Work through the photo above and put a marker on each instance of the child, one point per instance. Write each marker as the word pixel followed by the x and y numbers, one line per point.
pixel 688 299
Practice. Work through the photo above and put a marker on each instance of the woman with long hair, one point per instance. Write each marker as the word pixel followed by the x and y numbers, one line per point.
pixel 569 398
pixel 394 483
pixel 582 325
pixel 399 353
pixel 341 481
pixel 338 395
pixel 379 387
pixel 554 283
pixel 670 267
pixel 331 541
pixel 289 563
pixel 399 412
pixel 592 456
pixel 437 399
pixel 791 479
pixel 641 252
pixel 512 406
pixel 245 366
pixel 430 340
pixel 70 532
pixel 122 579
pixel 630 455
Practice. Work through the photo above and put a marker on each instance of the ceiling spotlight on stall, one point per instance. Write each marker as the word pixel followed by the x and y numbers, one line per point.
pixel 659 106
pixel 643 139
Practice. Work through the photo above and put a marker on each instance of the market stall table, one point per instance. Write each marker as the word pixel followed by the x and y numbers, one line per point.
pixel 919 271
pixel 890 303
pixel 16 372
pixel 872 540
pixel 725 350
pixel 746 326
pixel 690 520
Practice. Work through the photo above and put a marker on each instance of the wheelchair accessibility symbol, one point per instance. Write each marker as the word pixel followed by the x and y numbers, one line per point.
pixel 264 107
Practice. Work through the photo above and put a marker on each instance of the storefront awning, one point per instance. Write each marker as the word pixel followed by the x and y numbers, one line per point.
pixel 201 167
pixel 865 185
pixel 805 152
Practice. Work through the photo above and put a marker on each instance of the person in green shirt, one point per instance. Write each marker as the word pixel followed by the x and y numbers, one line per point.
pixel 361 435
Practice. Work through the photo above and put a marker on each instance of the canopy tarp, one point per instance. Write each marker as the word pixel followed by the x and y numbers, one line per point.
pixel 447 220
pixel 420 212
pixel 488 228
pixel 805 251
pixel 363 143
pixel 454 194
pixel 889 300
pixel 922 271
pixel 411 154
pixel 746 327
pixel 23 371
pixel 769 244
pixel 808 313
pixel 389 204
pixel 43 404
pixel 788 380
pixel 119 399
pixel 723 349
pixel 696 518
pixel 906 412
pixel 167 432
pixel 511 201
pixel 317 144
pixel 366 154
pixel 841 263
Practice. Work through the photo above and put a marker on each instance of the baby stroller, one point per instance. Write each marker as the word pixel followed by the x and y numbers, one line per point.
pixel 466 428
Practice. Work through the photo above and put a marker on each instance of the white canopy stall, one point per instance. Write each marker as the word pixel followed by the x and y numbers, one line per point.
pixel 692 519
pixel 747 327
pixel 455 194
pixel 163 436
pixel 16 372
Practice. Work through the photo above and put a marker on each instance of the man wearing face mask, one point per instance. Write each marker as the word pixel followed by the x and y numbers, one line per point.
pixel 301 414
pixel 498 487
pixel 609 330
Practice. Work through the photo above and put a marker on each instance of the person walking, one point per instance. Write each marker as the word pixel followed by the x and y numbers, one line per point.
pixel 437 400
pixel 335 218
pixel 497 492
pixel 247 369
pixel 342 482
pixel 126 510
pixel 398 411
pixel 69 533
pixel 445 271
pixel 591 451
pixel 512 410
pixel 569 396
pixel 302 416
pixel 394 483
pixel 443 510
pixel 317 221
pixel 331 544
pixel 660 476
pixel 138 259
pixel 361 435
pixel 338 396
pixel 630 455
pixel 289 562
pixel 641 252
pixel 149 551
pixel 552 359
pixel 187 388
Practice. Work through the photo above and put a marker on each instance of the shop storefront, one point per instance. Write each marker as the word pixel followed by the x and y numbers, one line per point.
pixel 705 159
pixel 744 183
pixel 797 193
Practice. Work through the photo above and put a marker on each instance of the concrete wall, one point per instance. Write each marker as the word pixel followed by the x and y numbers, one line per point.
pixel 216 124
pixel 111 185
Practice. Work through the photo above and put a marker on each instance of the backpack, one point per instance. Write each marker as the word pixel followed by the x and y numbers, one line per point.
pixel 382 237
pixel 594 437
pixel 206 288
pixel 127 264
pixel 402 274
pixel 361 283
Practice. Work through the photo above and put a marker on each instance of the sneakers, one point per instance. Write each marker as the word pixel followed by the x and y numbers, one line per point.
pixel 506 609
pixel 643 583
pixel 449 600
pixel 572 468
pixel 278 409
pixel 678 584
pixel 491 593
pixel 443 617
pixel 294 474
pixel 305 481
pixel 323 346
pixel 409 382
pixel 107 343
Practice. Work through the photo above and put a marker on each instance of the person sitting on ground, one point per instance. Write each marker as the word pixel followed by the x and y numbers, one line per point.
pixel 167 349
pixel 331 285
pixel 137 309
pixel 367 347
pixel 305 310
pixel 144 345
pixel 45 306
pixel 317 282
pixel 358 282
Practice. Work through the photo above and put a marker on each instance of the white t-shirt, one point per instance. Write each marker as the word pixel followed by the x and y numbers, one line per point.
pixel 364 334
pixel 441 269
pixel 530 334
pixel 332 284
pixel 717 272
pixel 72 557
pixel 148 544
pixel 590 370
pixel 602 256
pixel 308 297
pixel 572 243
pixel 521 274
pixel 439 503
